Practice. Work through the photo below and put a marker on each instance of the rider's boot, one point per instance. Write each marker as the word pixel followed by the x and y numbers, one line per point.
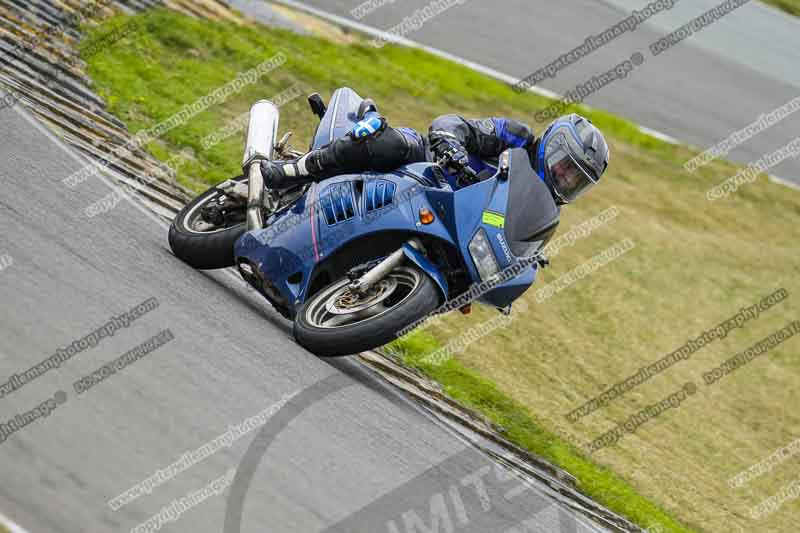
pixel 316 165
pixel 346 154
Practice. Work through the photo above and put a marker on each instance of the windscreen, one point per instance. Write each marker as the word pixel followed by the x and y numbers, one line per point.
pixel 532 214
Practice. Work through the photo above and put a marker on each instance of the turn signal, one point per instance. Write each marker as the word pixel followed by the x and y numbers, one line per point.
pixel 426 216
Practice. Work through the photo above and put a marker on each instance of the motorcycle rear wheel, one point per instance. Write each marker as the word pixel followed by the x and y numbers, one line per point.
pixel 196 242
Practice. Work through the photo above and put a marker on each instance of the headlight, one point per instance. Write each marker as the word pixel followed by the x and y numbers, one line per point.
pixel 483 256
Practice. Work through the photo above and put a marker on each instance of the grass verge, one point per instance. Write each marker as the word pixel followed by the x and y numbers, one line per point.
pixel 695 263
pixel 790 6
pixel 520 426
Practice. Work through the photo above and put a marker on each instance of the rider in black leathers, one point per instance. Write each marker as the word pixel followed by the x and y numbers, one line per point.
pixel 570 157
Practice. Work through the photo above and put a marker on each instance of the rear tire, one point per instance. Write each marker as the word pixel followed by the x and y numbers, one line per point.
pixel 203 250
pixel 369 333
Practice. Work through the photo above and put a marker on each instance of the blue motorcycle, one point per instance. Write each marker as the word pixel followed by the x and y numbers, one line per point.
pixel 359 259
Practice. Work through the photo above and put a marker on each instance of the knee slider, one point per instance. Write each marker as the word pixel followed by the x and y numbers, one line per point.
pixel 368 128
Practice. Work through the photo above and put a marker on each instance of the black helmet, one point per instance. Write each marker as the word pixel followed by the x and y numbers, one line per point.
pixel 571 157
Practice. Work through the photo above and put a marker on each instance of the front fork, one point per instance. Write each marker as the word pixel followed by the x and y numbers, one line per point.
pixel 382 269
pixel 412 251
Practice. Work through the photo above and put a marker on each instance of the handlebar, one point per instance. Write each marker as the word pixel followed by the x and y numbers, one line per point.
pixel 468 175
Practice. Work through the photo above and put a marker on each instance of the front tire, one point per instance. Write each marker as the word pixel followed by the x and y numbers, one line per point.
pixel 324 327
pixel 201 247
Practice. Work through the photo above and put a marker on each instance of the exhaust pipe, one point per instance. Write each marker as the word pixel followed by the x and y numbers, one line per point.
pixel 262 132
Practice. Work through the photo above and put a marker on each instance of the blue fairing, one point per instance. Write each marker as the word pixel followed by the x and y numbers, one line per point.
pixel 299 240
pixel 470 203
pixel 419 259
pixel 353 207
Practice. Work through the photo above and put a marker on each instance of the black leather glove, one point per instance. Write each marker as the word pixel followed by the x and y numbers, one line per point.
pixel 451 155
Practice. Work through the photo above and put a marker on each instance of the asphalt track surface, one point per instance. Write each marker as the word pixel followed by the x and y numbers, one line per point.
pixel 345 454
pixel 699 91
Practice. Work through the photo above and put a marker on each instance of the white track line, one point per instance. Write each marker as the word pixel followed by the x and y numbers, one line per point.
pixel 483 69
pixel 784 181
pixel 658 135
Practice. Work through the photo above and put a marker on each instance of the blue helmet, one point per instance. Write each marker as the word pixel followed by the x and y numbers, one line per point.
pixel 571 157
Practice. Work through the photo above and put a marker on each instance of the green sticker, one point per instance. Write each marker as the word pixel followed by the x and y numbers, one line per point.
pixel 494 219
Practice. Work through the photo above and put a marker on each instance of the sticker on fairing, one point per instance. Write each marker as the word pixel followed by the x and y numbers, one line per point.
pixel 494 219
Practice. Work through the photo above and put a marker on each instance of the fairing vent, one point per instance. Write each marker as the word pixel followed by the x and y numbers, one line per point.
pixel 336 202
pixel 378 194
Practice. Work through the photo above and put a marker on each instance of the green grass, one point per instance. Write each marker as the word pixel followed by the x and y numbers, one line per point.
pixel 521 427
pixel 790 6
pixel 695 263
pixel 173 61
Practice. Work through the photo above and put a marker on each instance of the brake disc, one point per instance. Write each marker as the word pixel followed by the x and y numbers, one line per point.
pixel 346 301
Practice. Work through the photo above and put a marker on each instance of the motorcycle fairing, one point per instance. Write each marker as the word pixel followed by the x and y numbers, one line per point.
pixel 282 259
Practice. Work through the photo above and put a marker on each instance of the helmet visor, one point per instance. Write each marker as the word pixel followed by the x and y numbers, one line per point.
pixel 569 178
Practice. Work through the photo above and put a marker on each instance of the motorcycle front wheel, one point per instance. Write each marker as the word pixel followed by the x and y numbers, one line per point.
pixel 337 321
